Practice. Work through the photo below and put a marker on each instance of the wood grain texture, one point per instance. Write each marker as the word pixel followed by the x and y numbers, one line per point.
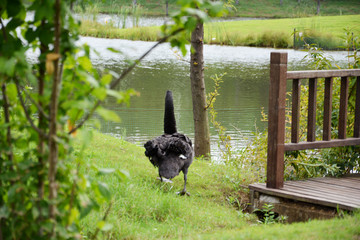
pixel 332 192
pixel 276 123
pixel 327 109
pixel 323 73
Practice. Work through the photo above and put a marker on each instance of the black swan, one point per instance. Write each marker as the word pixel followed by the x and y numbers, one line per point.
pixel 171 152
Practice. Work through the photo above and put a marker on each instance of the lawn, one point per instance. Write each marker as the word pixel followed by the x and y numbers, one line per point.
pixel 145 208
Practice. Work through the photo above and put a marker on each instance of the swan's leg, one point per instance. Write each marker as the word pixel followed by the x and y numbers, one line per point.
pixel 183 192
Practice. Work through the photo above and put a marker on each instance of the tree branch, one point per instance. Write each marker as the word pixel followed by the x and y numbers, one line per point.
pixel 53 145
pixel 136 62
pixel 38 106
pixel 3 29
pixel 210 102
pixel 38 130
pixel 7 120
pixel 123 75
pixel 104 218
pixel 86 117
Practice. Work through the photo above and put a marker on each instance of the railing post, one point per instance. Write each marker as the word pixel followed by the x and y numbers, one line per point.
pixel 276 121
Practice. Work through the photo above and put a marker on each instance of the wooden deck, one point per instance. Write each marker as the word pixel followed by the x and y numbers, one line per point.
pixel 343 193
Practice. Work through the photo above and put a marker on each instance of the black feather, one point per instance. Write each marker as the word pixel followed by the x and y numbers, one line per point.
pixel 171 152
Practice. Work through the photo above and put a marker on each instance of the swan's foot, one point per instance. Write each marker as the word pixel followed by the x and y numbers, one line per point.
pixel 182 193
pixel 165 180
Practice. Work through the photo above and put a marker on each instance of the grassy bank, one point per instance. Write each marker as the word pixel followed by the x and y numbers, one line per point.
pixel 243 8
pixel 144 208
pixel 326 31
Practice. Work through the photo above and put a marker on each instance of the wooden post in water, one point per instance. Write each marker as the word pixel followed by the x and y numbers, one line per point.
pixel 276 121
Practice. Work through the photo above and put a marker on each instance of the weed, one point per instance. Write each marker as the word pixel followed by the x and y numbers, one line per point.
pixel 268 216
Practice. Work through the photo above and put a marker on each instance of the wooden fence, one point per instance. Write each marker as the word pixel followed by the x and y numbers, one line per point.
pixel 276 125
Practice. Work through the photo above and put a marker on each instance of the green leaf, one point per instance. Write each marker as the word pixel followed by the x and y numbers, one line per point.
pixel 115 94
pixel 14 23
pixel 86 137
pixel 99 93
pixel 190 24
pixel 11 92
pixel 114 50
pixel 93 82
pixel 10 66
pixel 104 190
pixel 30 35
pixel 122 175
pixel 74 214
pixel 103 226
pixel 106 79
pixel 45 35
pixel 108 114
pixel 106 171
pixel 85 63
pixel 200 14
pixel 215 9
pixel 4 212
pixel 13 7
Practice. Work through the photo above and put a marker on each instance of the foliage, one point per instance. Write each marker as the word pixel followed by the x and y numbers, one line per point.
pixel 311 163
pixel 268 216
pixel 224 143
pixel 44 195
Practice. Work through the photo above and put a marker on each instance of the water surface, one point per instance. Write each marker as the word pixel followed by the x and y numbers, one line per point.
pixel 243 94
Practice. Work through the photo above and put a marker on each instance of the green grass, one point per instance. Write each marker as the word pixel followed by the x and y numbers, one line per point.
pixel 263 33
pixel 254 8
pixel 144 208
pixel 346 228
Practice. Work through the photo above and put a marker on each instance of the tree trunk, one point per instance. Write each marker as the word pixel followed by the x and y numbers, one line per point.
pixel 318 7
pixel 281 2
pixel 201 122
pixel 53 145
pixel 167 7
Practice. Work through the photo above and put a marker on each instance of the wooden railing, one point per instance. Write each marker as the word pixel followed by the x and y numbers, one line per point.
pixel 276 125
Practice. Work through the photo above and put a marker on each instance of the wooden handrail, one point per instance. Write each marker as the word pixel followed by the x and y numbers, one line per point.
pixel 322 73
pixel 276 119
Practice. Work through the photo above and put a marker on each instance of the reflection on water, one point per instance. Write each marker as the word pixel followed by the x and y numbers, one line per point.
pixel 243 93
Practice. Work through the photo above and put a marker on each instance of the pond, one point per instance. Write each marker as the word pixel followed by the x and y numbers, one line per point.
pixel 129 21
pixel 243 93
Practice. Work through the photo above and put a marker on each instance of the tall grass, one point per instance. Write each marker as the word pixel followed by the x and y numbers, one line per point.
pixel 278 33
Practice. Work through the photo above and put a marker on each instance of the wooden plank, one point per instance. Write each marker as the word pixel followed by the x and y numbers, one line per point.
pixel 276 123
pixel 326 196
pixel 337 180
pixel 325 184
pixel 323 73
pixel 344 92
pixel 327 109
pixel 356 187
pixel 325 193
pixel 322 144
pixel 299 197
pixel 324 188
pixel 311 110
pixel 295 112
pixel 357 109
